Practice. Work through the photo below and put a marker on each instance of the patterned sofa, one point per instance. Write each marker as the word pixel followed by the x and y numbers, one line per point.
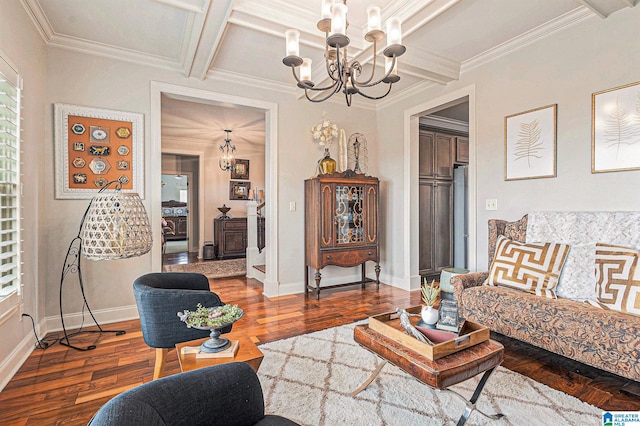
pixel 572 327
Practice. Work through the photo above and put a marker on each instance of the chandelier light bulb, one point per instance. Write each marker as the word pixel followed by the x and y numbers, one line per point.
pixel 394 32
pixel 293 42
pixel 325 13
pixel 339 19
pixel 373 18
pixel 305 70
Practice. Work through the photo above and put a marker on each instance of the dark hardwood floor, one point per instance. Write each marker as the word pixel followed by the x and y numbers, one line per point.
pixel 61 386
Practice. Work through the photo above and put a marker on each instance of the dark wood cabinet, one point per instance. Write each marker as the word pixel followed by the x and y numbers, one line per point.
pixel 341 225
pixel 436 155
pixel 436 226
pixel 230 236
pixel 462 150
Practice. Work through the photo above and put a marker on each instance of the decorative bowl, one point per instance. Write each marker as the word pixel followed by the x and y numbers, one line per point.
pixel 201 319
pixel 224 210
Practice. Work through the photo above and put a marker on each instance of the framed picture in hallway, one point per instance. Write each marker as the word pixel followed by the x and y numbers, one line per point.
pixel 239 190
pixel 241 170
pixel 530 144
pixel 94 146
pixel 615 129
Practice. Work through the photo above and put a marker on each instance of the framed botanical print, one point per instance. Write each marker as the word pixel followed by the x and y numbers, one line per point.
pixel 95 146
pixel 239 190
pixel 530 144
pixel 615 129
pixel 241 170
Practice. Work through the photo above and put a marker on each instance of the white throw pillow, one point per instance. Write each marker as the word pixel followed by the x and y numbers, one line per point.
pixel 578 277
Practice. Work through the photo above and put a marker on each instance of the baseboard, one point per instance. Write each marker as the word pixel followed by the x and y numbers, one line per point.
pixel 16 358
pixel 103 316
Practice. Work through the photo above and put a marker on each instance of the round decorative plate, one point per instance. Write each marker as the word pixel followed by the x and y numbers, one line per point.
pixel 78 129
pixel 123 150
pixel 99 166
pixel 123 132
pixel 99 134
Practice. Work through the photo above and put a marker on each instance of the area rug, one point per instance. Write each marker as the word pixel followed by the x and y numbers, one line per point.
pixel 213 269
pixel 309 379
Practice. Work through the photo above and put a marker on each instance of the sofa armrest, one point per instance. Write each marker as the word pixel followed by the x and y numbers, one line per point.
pixel 464 281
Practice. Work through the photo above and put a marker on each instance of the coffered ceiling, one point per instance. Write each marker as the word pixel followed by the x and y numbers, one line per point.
pixel 242 40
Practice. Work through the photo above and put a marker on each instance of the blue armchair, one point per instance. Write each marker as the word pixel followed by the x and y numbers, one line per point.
pixel 159 297
pixel 223 395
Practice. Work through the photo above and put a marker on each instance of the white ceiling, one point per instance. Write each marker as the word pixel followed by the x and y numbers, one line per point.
pixel 242 41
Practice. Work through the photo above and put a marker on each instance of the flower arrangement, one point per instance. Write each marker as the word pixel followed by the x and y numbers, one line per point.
pixel 325 132
pixel 218 316
pixel 429 292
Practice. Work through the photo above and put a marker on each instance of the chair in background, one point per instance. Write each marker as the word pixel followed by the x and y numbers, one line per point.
pixel 222 395
pixel 159 297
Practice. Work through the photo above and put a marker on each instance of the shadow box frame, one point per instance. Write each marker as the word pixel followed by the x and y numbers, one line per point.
pixel 241 173
pixel 123 147
pixel 234 193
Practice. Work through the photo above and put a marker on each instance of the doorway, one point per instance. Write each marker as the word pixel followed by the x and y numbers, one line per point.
pixel 411 207
pixel 178 216
pixel 442 181
pixel 269 111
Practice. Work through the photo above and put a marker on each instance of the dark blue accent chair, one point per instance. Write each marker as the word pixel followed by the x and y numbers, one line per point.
pixel 222 395
pixel 159 297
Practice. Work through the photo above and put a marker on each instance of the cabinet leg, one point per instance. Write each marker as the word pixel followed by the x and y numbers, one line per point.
pixel 363 273
pixel 318 276
pixel 377 276
pixel 306 280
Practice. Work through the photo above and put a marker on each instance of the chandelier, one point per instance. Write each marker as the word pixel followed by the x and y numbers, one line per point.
pixel 227 160
pixel 344 74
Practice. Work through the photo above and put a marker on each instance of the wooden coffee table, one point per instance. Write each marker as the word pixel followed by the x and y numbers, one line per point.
pixel 247 352
pixel 439 374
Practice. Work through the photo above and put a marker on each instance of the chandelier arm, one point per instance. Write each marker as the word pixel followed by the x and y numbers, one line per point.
pixel 376 97
pixel 336 87
pixel 315 89
pixel 393 64
pixel 373 70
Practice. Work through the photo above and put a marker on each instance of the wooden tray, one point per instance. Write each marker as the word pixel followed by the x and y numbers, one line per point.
pixel 389 325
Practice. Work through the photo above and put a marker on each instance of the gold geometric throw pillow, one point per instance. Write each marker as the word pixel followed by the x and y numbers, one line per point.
pixel 531 267
pixel 618 278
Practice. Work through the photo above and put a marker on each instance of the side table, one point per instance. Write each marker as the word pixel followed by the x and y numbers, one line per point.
pixel 247 352
pixel 439 374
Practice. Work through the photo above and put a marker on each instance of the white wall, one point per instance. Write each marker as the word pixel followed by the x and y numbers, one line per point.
pixel 565 68
pixel 86 80
pixel 23 46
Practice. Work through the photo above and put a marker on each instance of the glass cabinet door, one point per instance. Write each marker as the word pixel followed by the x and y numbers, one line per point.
pixel 349 218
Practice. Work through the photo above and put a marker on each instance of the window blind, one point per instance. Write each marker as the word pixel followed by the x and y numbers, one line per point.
pixel 10 92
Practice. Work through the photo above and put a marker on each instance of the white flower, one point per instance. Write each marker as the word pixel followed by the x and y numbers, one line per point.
pixel 325 132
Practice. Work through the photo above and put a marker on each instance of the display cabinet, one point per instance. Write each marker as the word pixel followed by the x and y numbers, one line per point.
pixel 341 225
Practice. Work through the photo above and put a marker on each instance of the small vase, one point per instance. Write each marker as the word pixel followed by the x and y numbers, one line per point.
pixel 429 315
pixel 327 164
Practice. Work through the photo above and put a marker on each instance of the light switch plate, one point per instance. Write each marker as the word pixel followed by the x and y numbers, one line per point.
pixel 292 206
pixel 492 204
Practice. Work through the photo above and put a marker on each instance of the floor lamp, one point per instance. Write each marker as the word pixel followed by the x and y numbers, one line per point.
pixel 114 226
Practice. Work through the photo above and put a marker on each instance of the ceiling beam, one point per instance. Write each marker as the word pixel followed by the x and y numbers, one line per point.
pixel 210 38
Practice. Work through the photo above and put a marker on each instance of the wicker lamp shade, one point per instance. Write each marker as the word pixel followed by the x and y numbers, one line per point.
pixel 116 226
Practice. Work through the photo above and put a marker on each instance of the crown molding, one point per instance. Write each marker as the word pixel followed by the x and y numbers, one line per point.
pixel 568 19
pixel 410 92
pixel 38 18
pixel 250 81
pixel 126 55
